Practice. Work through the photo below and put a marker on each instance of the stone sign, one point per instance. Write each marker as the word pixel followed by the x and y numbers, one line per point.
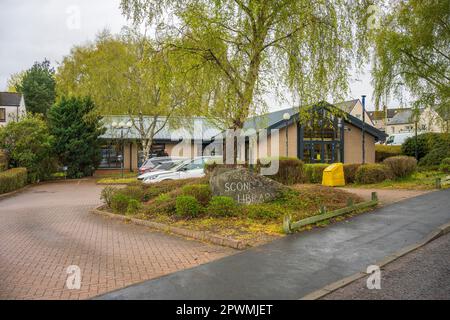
pixel 244 186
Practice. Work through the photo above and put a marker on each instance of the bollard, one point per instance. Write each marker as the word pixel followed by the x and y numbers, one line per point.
pixel 438 183
pixel 374 196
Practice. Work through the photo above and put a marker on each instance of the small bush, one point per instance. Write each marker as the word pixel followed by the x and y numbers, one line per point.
pixel 133 192
pixel 222 207
pixel 133 207
pixel 435 157
pixel 187 207
pixel 314 172
pixel 291 170
pixel 201 192
pixel 445 165
pixel 152 191
pixel 119 203
pixel 264 211
pixel 383 152
pixel 372 173
pixel 163 204
pixel 401 166
pixel 13 179
pixel 107 194
pixel 350 172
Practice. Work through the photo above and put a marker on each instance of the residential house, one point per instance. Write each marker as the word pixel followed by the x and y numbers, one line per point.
pixel 355 108
pixel 325 138
pixel 404 121
pixel 12 106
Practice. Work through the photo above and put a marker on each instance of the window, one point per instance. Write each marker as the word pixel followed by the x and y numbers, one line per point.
pixel 110 157
pixel 321 138
pixel 2 115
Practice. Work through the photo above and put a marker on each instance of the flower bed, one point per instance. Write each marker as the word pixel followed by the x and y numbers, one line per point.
pixel 189 205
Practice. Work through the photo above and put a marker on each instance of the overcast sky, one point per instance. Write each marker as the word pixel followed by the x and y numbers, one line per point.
pixel 32 30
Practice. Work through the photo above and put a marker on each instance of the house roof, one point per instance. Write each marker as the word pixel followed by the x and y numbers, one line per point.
pixel 347 106
pixel 10 99
pixel 207 131
pixel 176 130
pixel 402 116
pixel 376 115
pixel 275 120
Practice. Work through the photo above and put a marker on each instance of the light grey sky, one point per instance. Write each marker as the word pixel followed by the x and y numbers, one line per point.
pixel 32 30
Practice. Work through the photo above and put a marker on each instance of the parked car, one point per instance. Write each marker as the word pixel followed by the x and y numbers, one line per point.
pixel 164 166
pixel 151 164
pixel 189 169
pixel 398 139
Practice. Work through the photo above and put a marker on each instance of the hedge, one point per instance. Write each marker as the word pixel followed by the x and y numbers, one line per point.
pixel 13 179
pixel 401 166
pixel 350 170
pixel 3 161
pixel 314 172
pixel 290 170
pixel 383 152
pixel 373 173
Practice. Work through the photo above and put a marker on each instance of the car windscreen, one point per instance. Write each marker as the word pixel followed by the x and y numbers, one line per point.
pixel 168 165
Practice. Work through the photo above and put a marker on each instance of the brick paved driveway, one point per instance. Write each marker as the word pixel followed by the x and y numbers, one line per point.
pixel 48 228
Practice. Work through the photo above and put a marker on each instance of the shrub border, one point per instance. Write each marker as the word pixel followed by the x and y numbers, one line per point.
pixel 197 235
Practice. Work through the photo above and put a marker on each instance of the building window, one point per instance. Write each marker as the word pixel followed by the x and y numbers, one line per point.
pixel 110 157
pixel 2 115
pixel 321 138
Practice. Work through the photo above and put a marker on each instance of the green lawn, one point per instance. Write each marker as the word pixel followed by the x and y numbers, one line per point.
pixel 128 177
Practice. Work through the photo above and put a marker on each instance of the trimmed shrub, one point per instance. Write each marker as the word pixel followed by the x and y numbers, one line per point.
pixel 222 207
pixel 13 179
pixel 314 172
pixel 187 207
pixel 350 172
pixel 401 166
pixel 435 157
pixel 264 211
pixel 201 192
pixel 107 194
pixel 445 165
pixel 372 173
pixel 383 152
pixel 133 207
pixel 3 161
pixel 119 203
pixel 291 170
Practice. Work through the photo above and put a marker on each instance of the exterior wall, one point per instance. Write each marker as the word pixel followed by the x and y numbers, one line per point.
pixel 11 112
pixel 429 121
pixel 353 146
pixel 292 141
pixel 130 157
pixel 357 112
pixel 281 150
pixel 379 124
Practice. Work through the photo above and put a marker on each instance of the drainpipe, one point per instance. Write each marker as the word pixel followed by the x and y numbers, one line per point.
pixel 364 130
